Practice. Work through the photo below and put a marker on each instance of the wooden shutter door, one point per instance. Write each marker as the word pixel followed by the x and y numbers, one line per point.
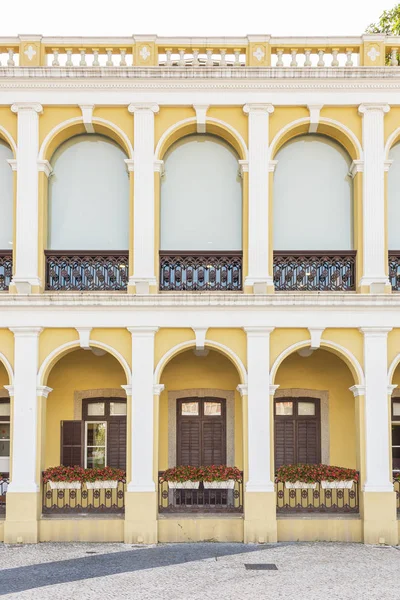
pixel 189 442
pixel 116 442
pixel 284 442
pixel 213 442
pixel 308 442
pixel 72 443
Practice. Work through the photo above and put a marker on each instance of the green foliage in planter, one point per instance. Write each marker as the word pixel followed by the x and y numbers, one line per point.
pixel 315 473
pixel 76 473
pixel 209 473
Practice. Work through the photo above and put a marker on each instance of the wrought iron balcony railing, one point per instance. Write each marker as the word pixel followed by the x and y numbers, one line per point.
pixel 5 269
pixel 84 500
pixel 87 271
pixel 316 500
pixel 394 269
pixel 315 271
pixel 4 482
pixel 200 271
pixel 213 500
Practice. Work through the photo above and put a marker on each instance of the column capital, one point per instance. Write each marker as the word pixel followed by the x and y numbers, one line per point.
pixel 272 166
pixel 373 107
pixel 10 390
pixel 143 107
pixel 243 166
pixel 391 388
pixel 43 391
pixel 143 331
pixel 26 331
pixel 45 167
pixel 357 166
pixel 13 163
pixel 272 389
pixel 159 166
pixel 128 389
pixel 357 390
pixel 242 388
pixel 27 106
pixel 130 164
pixel 258 331
pixel 258 108
pixel 375 331
pixel 158 388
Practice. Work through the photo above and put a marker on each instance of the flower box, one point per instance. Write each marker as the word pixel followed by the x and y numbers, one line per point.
pixel 219 485
pixel 65 485
pixel 101 485
pixel 337 485
pixel 183 485
pixel 299 485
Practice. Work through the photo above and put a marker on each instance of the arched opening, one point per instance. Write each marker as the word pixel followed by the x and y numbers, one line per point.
pixel 201 216
pixel 313 216
pixel 88 216
pixel 85 425
pixel 316 421
pixel 393 215
pixel 7 210
pixel 200 424
pixel 395 426
pixel 5 435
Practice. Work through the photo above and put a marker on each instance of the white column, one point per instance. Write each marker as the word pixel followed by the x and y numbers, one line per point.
pixel 374 226
pixel 25 410
pixel 258 276
pixel 258 396
pixel 142 427
pixel 377 417
pixel 27 213
pixel 143 198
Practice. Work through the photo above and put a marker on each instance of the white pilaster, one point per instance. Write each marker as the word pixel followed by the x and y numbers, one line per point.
pixel 374 226
pixel 377 418
pixel 27 213
pixel 142 427
pixel 258 276
pixel 143 197
pixel 25 410
pixel 258 392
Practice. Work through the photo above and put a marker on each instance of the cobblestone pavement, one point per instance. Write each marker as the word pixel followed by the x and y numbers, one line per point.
pixel 194 571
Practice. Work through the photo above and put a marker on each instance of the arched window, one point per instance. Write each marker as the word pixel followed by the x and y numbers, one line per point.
pixel 201 216
pixel 313 196
pixel 6 196
pixel 89 196
pixel 201 196
pixel 393 209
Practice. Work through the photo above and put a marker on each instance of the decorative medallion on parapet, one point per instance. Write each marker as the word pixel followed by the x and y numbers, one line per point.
pixel 259 53
pixel 145 52
pixel 30 54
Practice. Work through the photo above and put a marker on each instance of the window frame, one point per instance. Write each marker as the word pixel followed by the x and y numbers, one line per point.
pixel 6 421
pixel 394 422
pixel 104 418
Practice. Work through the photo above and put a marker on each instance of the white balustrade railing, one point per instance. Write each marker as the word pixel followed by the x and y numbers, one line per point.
pixel 184 57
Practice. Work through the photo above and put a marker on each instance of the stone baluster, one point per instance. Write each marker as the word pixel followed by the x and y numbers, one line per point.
pixel 349 57
pixel 293 62
pixel 95 58
pixel 223 58
pixel 10 62
pixel 393 57
pixel 109 62
pixel 210 62
pixel 321 62
pixel 237 57
pixel 122 62
pixel 69 62
pixel 168 52
pixel 307 53
pixel 82 62
pixel 279 54
pixel 335 61
pixel 182 57
pixel 56 60
pixel 195 61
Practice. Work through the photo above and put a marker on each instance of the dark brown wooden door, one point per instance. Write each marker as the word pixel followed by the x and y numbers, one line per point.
pixel 297 431
pixel 201 431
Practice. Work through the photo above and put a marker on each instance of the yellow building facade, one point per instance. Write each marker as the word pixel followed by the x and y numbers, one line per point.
pixel 199 265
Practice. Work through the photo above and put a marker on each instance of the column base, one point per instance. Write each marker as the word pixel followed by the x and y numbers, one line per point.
pixel 259 286
pixel 260 525
pixel 380 518
pixel 22 518
pixel 25 285
pixel 377 286
pixel 142 285
pixel 141 525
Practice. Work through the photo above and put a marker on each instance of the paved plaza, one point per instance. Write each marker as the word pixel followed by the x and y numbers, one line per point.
pixel 199 571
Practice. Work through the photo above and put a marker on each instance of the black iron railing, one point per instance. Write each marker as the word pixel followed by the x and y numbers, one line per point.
pixel 4 482
pixel 315 271
pixel 394 269
pixel 6 262
pixel 200 271
pixel 213 500
pixel 318 500
pixel 84 500
pixel 86 271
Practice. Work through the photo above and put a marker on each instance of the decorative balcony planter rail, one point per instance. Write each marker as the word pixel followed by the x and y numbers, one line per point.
pixel 6 261
pixel 4 481
pixel 394 269
pixel 87 271
pixel 200 272
pixel 214 500
pixel 84 500
pixel 199 52
pixel 318 500
pixel 314 271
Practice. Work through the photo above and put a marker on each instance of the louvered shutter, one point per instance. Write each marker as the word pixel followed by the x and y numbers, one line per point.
pixel 308 441
pixel 284 442
pixel 72 443
pixel 189 442
pixel 213 443
pixel 116 442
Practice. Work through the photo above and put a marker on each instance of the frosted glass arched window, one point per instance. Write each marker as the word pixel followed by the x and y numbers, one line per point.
pixel 89 196
pixel 6 197
pixel 393 209
pixel 313 196
pixel 201 196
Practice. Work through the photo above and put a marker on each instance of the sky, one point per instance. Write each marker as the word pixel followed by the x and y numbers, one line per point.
pixel 190 17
